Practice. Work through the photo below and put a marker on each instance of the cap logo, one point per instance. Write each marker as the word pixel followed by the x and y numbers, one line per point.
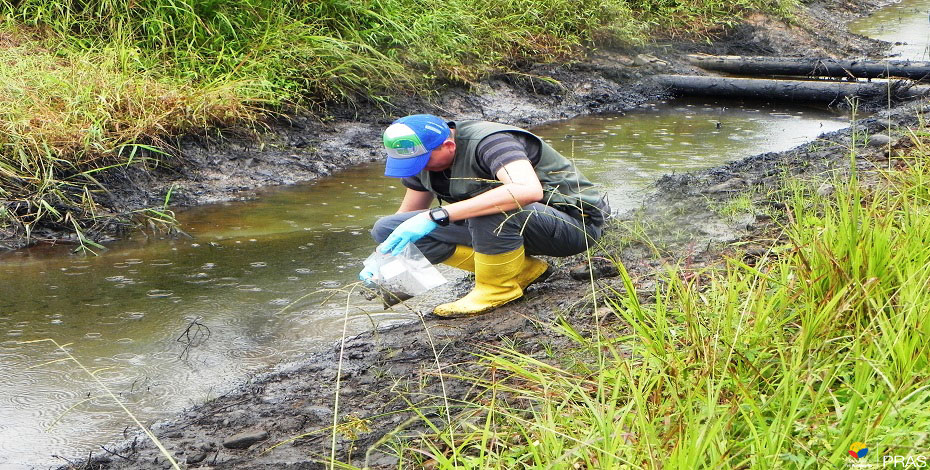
pixel 401 141
pixel 434 127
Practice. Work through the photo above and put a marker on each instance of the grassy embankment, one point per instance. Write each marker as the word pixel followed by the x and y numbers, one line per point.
pixel 88 86
pixel 822 343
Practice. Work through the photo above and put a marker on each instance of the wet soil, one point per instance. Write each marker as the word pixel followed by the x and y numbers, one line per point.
pixel 383 372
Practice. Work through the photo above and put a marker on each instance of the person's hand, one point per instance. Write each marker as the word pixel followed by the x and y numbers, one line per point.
pixel 367 276
pixel 409 231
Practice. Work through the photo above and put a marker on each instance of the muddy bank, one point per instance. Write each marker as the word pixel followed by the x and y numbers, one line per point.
pixel 382 372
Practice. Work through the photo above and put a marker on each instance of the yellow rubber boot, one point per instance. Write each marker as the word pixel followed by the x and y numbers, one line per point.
pixel 495 285
pixel 463 258
pixel 531 271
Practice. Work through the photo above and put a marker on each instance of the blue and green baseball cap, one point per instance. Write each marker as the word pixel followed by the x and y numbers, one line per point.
pixel 409 141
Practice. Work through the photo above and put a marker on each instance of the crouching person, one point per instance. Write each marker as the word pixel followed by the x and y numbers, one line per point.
pixel 504 195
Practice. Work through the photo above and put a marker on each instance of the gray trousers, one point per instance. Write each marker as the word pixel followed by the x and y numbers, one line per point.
pixel 541 229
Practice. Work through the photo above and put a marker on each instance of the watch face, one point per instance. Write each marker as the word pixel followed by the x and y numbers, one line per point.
pixel 439 215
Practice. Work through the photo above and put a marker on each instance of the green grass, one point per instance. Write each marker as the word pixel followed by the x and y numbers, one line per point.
pixel 85 84
pixel 823 342
pixel 65 118
pixel 738 205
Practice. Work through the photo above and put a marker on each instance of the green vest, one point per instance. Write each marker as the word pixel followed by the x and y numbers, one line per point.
pixel 564 187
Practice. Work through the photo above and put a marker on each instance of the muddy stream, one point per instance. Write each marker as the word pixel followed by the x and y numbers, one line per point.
pixel 905 24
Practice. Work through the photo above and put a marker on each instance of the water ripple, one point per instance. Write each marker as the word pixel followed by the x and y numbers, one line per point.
pixel 252 352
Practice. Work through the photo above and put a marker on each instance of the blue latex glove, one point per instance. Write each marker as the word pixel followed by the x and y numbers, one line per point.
pixel 367 276
pixel 409 231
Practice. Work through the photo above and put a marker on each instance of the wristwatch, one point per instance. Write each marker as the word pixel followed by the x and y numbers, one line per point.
pixel 440 216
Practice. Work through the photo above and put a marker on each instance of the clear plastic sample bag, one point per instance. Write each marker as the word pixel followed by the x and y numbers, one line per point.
pixel 408 273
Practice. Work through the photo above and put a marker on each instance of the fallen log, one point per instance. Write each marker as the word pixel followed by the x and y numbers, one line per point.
pixel 805 67
pixel 828 91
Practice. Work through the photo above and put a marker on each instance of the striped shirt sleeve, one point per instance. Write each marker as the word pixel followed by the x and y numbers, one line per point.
pixel 497 150
pixel 413 182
